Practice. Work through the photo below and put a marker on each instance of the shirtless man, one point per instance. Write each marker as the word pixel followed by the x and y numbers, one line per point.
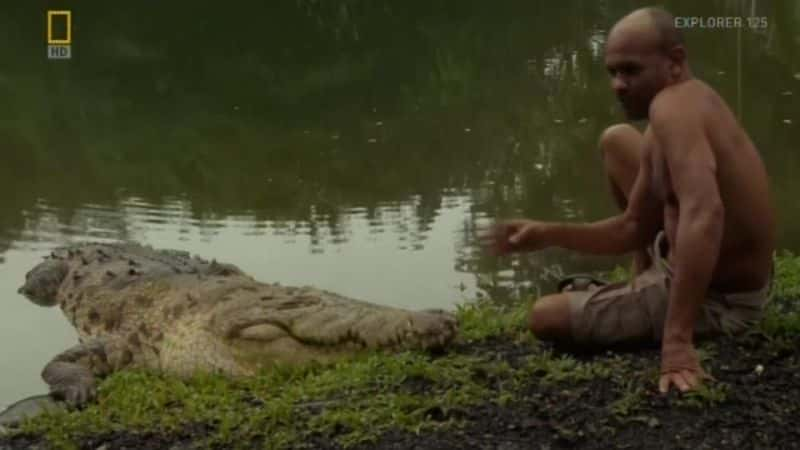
pixel 693 178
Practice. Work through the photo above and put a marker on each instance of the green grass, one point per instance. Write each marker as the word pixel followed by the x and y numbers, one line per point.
pixel 707 395
pixel 483 318
pixel 357 400
pixel 352 401
pixel 782 317
pixel 631 399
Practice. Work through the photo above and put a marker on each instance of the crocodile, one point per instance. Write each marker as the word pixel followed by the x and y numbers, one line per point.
pixel 134 306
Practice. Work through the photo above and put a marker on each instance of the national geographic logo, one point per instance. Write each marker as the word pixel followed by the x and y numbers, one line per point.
pixel 59 34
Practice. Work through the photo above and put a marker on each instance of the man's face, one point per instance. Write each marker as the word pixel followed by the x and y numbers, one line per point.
pixel 637 73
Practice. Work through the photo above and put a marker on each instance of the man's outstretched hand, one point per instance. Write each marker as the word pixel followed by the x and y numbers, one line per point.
pixel 514 236
pixel 680 367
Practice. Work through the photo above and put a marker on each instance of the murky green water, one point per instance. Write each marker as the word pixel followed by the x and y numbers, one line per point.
pixel 353 145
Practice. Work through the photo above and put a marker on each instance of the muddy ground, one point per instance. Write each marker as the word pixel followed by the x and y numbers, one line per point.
pixel 745 408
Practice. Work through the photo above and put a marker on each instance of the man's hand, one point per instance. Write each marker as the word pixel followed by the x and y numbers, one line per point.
pixel 514 236
pixel 680 367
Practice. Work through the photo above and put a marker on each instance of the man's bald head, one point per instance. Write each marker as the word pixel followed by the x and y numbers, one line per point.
pixel 652 25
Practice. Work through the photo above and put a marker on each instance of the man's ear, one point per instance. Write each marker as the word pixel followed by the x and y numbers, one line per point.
pixel 677 56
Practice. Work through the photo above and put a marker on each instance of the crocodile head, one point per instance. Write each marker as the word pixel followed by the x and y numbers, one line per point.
pixel 43 281
pixel 251 330
pixel 311 324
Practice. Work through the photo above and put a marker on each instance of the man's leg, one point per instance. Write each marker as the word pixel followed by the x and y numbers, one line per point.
pixel 621 147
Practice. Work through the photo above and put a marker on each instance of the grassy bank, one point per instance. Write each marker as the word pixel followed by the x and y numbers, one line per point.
pixel 496 372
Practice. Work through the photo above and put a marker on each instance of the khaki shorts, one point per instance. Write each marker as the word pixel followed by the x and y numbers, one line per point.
pixel 635 311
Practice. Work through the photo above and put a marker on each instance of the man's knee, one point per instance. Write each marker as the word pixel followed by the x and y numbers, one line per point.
pixel 549 318
pixel 621 147
pixel 620 135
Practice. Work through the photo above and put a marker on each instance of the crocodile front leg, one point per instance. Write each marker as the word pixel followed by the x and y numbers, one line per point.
pixel 71 374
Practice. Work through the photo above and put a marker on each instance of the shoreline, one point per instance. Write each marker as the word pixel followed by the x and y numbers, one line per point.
pixel 496 388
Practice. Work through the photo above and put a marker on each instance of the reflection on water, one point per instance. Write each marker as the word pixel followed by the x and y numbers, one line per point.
pixel 348 256
pixel 353 145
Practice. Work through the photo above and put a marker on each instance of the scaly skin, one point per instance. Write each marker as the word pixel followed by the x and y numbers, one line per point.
pixel 134 306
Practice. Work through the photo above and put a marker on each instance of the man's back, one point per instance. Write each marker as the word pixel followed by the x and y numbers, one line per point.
pixel 749 229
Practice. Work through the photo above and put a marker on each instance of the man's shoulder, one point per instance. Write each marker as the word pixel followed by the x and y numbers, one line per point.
pixel 686 103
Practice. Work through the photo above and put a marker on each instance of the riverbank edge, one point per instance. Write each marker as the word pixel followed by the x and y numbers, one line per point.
pixel 496 388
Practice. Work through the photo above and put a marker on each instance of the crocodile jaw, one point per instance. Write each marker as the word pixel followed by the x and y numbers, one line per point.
pixel 189 347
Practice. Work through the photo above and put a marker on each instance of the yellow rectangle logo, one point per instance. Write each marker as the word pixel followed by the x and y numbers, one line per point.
pixel 67 40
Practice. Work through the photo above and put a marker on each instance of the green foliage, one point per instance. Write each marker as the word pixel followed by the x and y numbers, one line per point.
pixel 778 323
pixel 782 315
pixel 705 396
pixel 631 400
pixel 353 401
pixel 618 274
pixel 484 318
pixel 786 284
pixel 551 369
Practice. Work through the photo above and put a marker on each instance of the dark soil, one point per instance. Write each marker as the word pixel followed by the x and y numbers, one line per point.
pixel 757 411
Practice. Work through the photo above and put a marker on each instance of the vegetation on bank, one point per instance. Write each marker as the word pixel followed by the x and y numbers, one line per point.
pixel 357 401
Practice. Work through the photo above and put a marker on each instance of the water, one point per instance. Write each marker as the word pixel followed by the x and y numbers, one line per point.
pixel 351 145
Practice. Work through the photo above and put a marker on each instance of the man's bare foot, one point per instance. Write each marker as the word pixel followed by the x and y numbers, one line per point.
pixel 580 282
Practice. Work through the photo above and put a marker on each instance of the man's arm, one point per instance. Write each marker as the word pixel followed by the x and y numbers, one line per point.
pixel 632 230
pixel 680 136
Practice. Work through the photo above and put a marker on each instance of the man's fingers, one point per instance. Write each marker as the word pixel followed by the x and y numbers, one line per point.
pixel 519 235
pixel 680 382
pixel 663 384
pixel 693 379
pixel 506 237
pixel 667 380
pixel 685 380
pixel 498 239
pixel 688 381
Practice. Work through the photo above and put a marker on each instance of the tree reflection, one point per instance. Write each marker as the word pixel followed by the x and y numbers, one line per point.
pixel 299 114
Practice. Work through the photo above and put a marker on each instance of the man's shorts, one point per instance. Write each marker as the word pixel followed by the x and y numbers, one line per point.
pixel 635 311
